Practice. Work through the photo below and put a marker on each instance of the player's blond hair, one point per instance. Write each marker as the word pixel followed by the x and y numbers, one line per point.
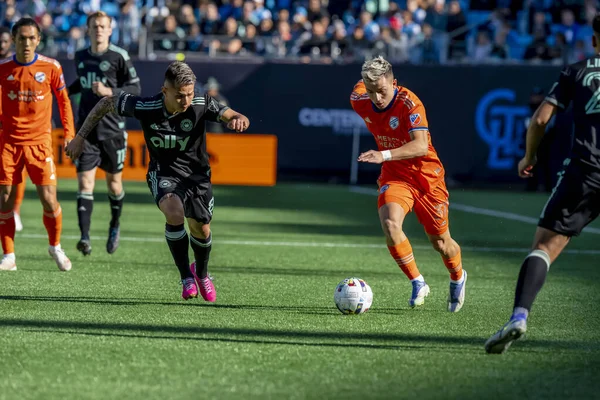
pixel 374 69
pixel 98 14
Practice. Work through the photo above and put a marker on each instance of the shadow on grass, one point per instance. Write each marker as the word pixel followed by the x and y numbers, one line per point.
pixel 285 337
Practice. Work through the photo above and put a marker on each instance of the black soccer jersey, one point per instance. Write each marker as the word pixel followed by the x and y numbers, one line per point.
pixel 114 69
pixel 176 143
pixel 579 83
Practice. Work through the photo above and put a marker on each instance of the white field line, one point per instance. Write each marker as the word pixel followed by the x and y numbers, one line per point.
pixel 482 211
pixel 268 243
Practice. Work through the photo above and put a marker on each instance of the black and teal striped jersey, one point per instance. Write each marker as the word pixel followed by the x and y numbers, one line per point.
pixel 114 69
pixel 176 143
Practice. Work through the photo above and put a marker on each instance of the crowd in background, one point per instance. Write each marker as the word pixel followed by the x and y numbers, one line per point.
pixel 415 31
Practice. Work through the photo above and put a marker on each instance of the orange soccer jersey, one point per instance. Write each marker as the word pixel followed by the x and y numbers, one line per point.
pixel 27 100
pixel 392 128
pixel 415 183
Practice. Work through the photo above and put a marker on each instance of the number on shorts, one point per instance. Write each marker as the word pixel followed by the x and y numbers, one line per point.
pixel 121 157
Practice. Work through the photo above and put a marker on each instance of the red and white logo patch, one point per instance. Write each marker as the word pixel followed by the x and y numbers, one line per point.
pixel 415 119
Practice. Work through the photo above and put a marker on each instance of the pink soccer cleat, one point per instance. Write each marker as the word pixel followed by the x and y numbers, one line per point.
pixel 189 288
pixel 207 289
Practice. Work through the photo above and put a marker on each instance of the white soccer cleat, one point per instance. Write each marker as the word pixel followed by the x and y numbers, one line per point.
pixel 8 264
pixel 511 331
pixel 419 292
pixel 18 223
pixel 62 261
pixel 456 297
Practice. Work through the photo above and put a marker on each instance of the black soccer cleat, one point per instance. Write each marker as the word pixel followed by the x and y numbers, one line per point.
pixel 112 244
pixel 85 247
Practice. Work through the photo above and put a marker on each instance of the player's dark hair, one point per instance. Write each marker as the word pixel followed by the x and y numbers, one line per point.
pixel 596 24
pixel 180 74
pixel 25 22
pixel 4 30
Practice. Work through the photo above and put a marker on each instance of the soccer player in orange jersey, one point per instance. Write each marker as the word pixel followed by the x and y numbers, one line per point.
pixel 19 192
pixel 412 176
pixel 28 80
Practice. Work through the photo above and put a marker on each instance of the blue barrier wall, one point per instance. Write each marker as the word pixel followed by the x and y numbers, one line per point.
pixel 477 114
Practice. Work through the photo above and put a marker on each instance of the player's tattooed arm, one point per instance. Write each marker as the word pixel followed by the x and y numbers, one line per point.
pixel 104 106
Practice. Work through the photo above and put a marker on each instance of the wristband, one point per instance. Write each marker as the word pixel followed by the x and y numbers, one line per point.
pixel 387 155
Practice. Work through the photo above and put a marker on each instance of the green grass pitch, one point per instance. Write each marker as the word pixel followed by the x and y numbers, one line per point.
pixel 115 327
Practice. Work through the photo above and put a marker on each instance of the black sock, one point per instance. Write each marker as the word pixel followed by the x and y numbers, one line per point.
pixel 116 205
pixel 85 206
pixel 201 249
pixel 177 239
pixel 531 278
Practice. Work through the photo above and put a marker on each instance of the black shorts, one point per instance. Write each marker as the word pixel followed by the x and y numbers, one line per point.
pixel 108 154
pixel 574 202
pixel 197 198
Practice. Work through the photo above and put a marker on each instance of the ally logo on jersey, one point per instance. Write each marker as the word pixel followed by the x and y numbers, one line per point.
pixel 88 79
pixel 170 142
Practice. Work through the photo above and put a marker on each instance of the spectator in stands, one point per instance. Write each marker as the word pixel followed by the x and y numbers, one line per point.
pixel 483 47
pixel 455 27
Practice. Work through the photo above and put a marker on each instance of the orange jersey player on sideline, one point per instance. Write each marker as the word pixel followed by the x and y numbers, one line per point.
pixel 19 191
pixel 412 176
pixel 28 81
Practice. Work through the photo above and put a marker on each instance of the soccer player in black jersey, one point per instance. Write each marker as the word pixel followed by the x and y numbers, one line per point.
pixel 103 69
pixel 174 124
pixel 575 200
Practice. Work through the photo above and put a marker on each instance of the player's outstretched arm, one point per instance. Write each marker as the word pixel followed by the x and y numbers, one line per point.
pixel 418 147
pixel 535 133
pixel 235 121
pixel 104 106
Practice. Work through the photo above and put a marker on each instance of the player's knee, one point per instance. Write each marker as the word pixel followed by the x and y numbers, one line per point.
pixel 200 231
pixel 392 227
pixel 441 245
pixel 172 207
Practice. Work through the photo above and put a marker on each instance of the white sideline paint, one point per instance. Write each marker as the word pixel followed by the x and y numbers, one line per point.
pixel 268 243
pixel 480 211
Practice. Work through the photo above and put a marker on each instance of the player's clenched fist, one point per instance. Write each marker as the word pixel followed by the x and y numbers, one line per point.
pixel 371 156
pixel 238 123
pixel 525 167
pixel 75 147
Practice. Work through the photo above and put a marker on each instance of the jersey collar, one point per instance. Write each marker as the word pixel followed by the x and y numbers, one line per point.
pixel 377 110
pixel 27 64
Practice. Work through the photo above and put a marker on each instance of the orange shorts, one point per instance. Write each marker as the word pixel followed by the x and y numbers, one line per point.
pixel 431 208
pixel 37 159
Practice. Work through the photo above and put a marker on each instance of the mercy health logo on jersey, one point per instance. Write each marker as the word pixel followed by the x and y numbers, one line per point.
pixel 341 122
pixel 26 96
pixel 91 77
pixel 170 142
pixel 499 122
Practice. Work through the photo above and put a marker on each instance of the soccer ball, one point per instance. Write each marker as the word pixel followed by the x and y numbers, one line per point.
pixel 353 296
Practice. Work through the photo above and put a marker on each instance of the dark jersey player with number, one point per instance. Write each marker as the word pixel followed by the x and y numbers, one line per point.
pixel 174 124
pixel 575 200
pixel 102 70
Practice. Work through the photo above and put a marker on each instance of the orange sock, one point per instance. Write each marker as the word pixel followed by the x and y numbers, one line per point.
pixel 19 197
pixel 403 255
pixel 454 266
pixel 53 224
pixel 7 232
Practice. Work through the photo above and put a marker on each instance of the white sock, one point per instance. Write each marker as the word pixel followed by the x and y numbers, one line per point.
pixel 57 247
pixel 521 310
pixel 10 256
pixel 418 278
